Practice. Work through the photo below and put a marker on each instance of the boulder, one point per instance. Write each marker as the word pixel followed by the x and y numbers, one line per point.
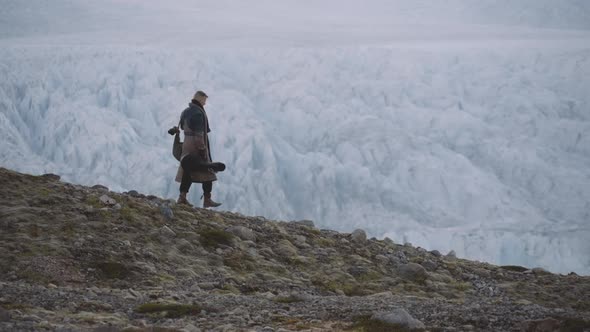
pixel 308 223
pixel 413 272
pixel 359 236
pixel 242 232
pixel 399 317
pixel 106 200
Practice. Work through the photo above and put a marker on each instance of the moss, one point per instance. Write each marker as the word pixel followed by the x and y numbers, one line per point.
pixel 43 192
pixel 113 270
pixel 324 242
pixel 211 238
pixel 288 299
pixel 461 286
pixel 68 229
pixel 239 261
pixel 33 230
pixel 151 329
pixel 15 306
pixel 355 290
pixel 514 268
pixel 366 324
pixel 35 277
pixel 93 201
pixel 286 320
pixel 582 305
pixel 417 259
pixel 574 324
pixel 169 310
pixel 128 214
pixel 369 276
pixel 105 214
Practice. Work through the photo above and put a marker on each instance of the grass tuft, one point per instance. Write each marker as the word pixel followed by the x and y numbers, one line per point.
pixel 169 310
pixel 212 238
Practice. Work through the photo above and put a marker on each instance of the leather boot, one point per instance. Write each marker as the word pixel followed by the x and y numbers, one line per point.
pixel 182 200
pixel 208 202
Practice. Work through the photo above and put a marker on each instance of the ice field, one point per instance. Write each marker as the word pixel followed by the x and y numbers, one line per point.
pixel 451 125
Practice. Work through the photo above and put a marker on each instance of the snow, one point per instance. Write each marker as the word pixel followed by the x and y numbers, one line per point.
pixel 453 125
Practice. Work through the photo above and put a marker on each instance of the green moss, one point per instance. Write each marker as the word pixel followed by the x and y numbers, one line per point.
pixel 151 329
pixel 33 230
pixel 366 324
pixel 128 214
pixel 574 324
pixel 240 262
pixel 68 229
pixel 369 276
pixel 514 268
pixel 113 270
pixel 461 286
pixel 169 310
pixel 287 299
pixel 325 242
pixel 417 259
pixel 211 238
pixel 93 201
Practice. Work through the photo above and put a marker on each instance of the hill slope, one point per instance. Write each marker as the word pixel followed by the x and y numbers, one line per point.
pixel 80 258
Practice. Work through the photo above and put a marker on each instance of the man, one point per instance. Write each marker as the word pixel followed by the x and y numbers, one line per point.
pixel 195 151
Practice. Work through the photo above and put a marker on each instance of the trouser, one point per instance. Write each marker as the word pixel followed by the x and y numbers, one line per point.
pixel 190 164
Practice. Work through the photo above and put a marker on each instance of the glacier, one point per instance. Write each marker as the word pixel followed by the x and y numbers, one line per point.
pixel 453 126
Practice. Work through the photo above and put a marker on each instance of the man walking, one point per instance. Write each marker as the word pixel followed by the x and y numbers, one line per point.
pixel 196 151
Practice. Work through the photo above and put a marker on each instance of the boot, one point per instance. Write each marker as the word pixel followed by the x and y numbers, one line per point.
pixel 182 199
pixel 208 202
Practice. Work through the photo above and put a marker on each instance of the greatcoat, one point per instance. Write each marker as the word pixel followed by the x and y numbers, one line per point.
pixel 195 125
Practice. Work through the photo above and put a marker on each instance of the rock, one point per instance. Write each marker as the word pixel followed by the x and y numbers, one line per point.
pixel 429 265
pixel 242 232
pixel 134 193
pixel 540 271
pixel 382 259
pixel 51 177
pixel 452 254
pixel 359 236
pixel 308 223
pixel 398 317
pixel 436 253
pixel 482 272
pixel 100 188
pixel 167 212
pixel 166 231
pixel 388 241
pixel 541 325
pixel 286 249
pixel 106 200
pixel 413 272
pixel 53 286
pixel 134 293
pixel 190 328
pixel 4 315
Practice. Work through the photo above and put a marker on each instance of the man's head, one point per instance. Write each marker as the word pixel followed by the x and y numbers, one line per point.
pixel 201 97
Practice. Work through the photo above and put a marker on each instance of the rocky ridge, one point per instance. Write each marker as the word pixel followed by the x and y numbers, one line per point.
pixel 78 258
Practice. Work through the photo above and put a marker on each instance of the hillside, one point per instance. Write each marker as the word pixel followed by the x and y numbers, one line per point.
pixel 80 258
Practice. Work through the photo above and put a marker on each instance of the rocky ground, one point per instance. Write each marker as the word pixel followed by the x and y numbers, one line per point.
pixel 76 258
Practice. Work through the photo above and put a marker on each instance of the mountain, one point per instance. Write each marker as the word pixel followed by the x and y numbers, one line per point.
pixel 79 258
pixel 459 125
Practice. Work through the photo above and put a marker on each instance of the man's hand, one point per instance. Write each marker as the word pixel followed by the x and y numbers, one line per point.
pixel 173 131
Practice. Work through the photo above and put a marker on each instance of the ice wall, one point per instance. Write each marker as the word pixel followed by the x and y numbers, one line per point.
pixel 470 137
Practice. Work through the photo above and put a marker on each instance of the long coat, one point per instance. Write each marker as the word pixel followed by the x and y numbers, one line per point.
pixel 195 140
